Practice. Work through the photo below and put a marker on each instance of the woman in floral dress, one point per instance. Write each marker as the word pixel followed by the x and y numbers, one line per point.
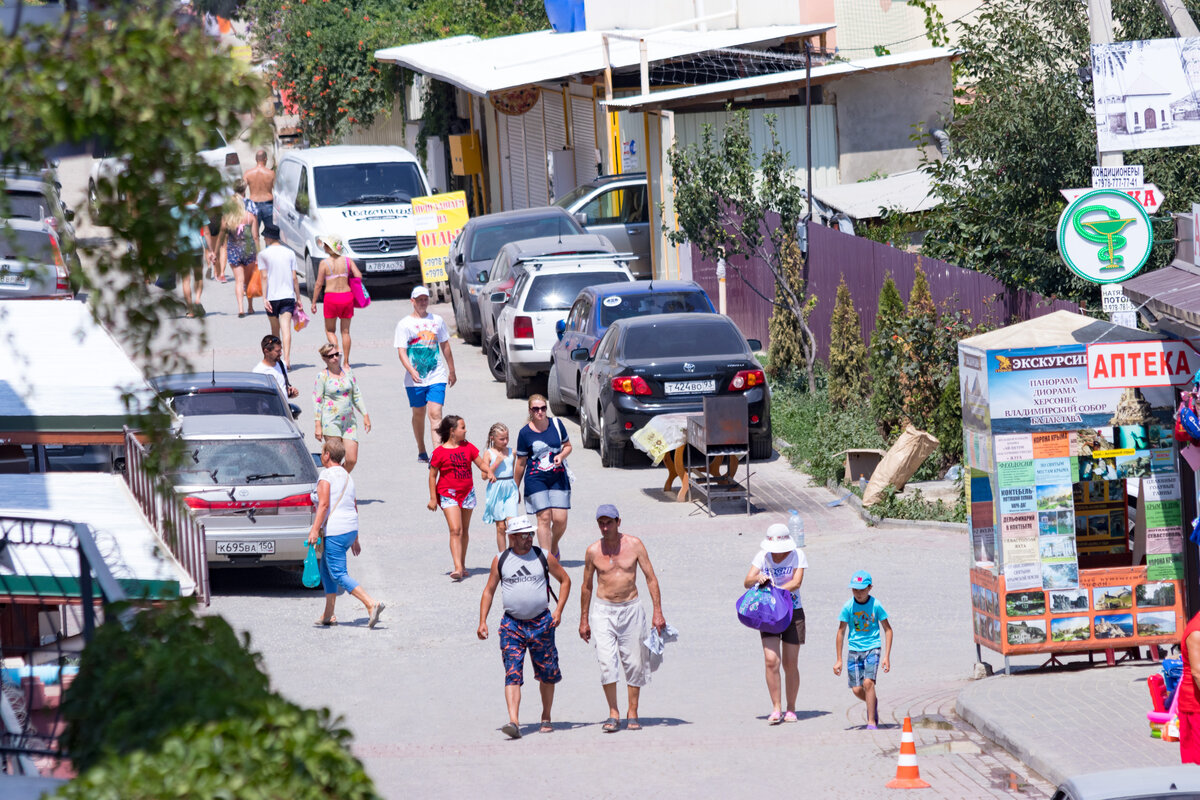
pixel 335 398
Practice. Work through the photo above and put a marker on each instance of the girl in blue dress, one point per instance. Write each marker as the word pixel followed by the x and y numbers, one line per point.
pixel 501 502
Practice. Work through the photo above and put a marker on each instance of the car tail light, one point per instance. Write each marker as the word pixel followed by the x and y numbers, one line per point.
pixel 52 222
pixel 523 328
pixel 294 501
pixel 633 384
pixel 62 282
pixel 747 379
pixel 753 419
pixel 628 426
pixel 231 160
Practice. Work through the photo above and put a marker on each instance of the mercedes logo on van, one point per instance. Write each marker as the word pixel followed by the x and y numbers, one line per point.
pixel 385 246
pixel 689 366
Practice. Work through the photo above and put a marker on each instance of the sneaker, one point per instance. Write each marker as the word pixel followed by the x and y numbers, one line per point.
pixel 775 718
pixel 423 458
pixel 790 716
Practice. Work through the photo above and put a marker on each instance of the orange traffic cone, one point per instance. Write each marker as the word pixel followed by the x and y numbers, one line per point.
pixel 908 775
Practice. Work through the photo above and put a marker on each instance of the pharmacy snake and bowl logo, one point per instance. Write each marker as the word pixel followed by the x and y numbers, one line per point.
pixel 1104 236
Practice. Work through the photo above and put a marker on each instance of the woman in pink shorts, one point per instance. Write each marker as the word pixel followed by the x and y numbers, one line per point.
pixel 334 277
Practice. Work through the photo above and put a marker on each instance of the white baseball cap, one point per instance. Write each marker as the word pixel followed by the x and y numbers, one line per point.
pixel 419 291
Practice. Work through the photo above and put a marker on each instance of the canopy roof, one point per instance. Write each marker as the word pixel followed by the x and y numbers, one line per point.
pixel 40 558
pixel 60 372
pixel 1054 330
pixel 507 62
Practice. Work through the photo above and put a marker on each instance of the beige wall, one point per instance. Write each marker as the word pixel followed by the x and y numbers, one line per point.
pixel 876 112
pixel 603 15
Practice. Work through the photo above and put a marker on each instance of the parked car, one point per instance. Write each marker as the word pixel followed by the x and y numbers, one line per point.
pixel 595 309
pixel 667 364
pixel 107 166
pixel 31 262
pixel 74 457
pixel 541 296
pixel 509 263
pixel 1136 783
pixel 252 482
pixel 616 206
pixel 207 393
pixel 38 197
pixel 362 195
pixel 476 246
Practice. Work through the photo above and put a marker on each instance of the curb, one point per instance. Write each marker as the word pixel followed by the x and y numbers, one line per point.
pixel 995 733
pixel 855 502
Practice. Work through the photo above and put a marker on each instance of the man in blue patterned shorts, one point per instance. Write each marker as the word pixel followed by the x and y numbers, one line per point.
pixel 528 623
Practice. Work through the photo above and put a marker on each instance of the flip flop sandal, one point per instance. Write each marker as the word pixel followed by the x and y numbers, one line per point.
pixel 373 620
pixel 511 730
pixel 325 623
pixel 547 726
pixel 632 725
pixel 611 725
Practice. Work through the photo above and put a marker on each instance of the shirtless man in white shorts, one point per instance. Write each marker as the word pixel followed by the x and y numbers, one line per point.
pixel 617 614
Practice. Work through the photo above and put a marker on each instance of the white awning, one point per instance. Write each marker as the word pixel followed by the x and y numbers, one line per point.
pixel 773 83
pixel 40 560
pixel 507 62
pixel 908 192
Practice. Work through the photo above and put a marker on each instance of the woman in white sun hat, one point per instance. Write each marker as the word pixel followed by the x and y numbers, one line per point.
pixel 780 563
pixel 334 277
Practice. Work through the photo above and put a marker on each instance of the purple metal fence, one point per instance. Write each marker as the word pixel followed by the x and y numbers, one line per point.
pixel 865 264
pixel 180 531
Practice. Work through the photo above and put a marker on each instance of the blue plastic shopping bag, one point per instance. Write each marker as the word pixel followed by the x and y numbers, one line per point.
pixel 312 572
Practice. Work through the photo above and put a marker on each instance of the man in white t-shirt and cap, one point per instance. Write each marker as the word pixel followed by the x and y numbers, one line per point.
pixel 280 289
pixel 423 343
pixel 523 573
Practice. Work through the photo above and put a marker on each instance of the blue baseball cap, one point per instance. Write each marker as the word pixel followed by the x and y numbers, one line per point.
pixel 608 510
pixel 861 580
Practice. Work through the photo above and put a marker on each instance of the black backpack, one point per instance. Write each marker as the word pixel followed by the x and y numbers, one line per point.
pixel 545 568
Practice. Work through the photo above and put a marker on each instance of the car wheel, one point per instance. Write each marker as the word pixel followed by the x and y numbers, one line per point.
pixel 586 437
pixel 514 387
pixel 762 446
pixel 93 201
pixel 310 276
pixel 611 453
pixel 554 395
pixel 495 358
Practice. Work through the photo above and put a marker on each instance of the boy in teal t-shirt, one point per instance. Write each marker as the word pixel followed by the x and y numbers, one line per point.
pixel 865 616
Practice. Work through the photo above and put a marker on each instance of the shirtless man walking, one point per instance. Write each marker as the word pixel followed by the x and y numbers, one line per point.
pixel 260 183
pixel 617 615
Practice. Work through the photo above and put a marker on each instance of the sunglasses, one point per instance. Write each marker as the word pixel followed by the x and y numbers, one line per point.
pixel 537 409
pixel 334 355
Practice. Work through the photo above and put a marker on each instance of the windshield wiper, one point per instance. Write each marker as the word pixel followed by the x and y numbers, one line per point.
pixel 369 198
pixel 263 476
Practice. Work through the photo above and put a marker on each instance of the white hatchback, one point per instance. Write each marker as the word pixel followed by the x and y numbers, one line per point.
pixel 540 298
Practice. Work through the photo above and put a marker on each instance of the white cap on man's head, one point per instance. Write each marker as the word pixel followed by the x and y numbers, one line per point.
pixel 520 524
pixel 419 291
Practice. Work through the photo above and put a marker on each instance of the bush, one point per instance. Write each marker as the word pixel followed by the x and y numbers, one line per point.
pixel 816 431
pixel 916 506
pixel 848 383
pixel 884 359
pixel 786 349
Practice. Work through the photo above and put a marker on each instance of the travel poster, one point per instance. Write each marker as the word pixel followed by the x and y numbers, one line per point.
pixel 1046 388
pixel 1161 495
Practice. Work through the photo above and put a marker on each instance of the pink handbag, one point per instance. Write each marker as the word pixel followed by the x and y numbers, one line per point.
pixel 361 298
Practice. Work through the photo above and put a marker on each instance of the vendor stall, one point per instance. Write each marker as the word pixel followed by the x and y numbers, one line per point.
pixel 1074 490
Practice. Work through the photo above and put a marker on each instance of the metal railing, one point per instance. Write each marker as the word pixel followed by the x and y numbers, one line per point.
pixel 179 529
pixel 55 573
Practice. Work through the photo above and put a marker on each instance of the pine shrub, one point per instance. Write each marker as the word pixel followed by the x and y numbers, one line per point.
pixel 884 359
pixel 847 354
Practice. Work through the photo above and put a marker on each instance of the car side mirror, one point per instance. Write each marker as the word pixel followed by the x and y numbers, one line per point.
pixel 560 328
pixel 498 297
pixel 581 217
pixel 482 276
pixel 580 354
pixel 459 260
pixel 69 214
pixel 755 345
pixel 295 409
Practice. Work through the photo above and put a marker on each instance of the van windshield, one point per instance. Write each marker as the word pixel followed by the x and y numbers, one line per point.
pixel 376 183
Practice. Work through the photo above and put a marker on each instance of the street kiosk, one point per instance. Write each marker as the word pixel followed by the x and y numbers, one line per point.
pixel 1074 491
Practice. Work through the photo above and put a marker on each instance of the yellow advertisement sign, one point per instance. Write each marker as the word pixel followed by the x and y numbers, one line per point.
pixel 438 219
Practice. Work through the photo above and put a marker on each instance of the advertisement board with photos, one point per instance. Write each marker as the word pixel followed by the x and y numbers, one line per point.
pixel 1067 484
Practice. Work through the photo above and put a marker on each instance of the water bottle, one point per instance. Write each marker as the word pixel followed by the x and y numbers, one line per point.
pixel 796 527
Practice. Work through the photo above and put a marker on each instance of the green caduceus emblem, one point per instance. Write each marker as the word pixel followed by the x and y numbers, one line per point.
pixel 1105 232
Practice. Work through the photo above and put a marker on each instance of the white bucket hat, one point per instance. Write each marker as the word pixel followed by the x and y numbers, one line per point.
pixel 779 539
pixel 519 524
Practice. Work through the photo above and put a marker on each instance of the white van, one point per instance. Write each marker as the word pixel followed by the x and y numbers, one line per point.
pixel 362 195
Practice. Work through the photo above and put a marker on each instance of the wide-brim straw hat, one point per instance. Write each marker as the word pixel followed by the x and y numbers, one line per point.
pixel 332 243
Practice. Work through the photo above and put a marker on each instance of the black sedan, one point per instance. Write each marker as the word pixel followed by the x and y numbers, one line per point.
pixel 667 364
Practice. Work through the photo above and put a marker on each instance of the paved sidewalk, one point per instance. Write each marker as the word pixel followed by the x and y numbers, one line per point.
pixel 1070 722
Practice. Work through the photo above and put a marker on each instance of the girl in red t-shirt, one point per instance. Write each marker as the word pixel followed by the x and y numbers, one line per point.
pixel 452 487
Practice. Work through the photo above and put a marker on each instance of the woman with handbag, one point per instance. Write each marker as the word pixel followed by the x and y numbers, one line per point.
pixel 542 450
pixel 239 238
pixel 338 520
pixel 334 276
pixel 780 563
pixel 336 397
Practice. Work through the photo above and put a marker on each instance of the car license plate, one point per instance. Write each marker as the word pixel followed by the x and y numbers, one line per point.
pixel 690 387
pixel 385 266
pixel 261 548
pixel 13 280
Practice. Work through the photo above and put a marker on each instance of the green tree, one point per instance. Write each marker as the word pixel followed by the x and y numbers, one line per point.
pixel 847 354
pixel 883 361
pixel 785 354
pixel 1029 132
pixel 920 373
pixel 734 205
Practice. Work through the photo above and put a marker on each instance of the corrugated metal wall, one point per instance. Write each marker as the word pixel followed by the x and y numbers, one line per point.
pixel 865 264
pixel 789 127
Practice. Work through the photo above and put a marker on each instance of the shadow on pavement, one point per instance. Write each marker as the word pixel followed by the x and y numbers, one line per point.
pixel 258 582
